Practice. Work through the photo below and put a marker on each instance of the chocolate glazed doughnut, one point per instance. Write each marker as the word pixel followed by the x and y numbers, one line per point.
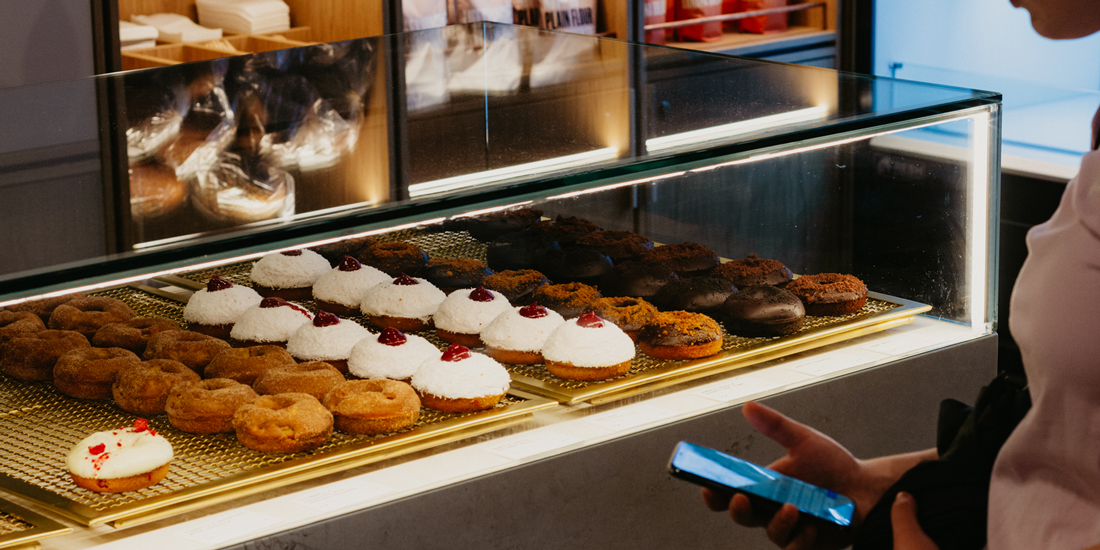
pixel 762 310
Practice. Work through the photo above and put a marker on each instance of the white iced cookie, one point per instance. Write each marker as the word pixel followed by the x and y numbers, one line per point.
pixel 124 459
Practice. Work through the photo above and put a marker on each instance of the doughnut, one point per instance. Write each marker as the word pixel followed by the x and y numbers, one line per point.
pixel 88 373
pixel 517 251
pixel 405 303
pixel 133 335
pixel 246 364
pixel 573 265
pixel 637 279
pixel 340 291
pixel 289 274
pixel 393 258
pixel 569 299
pixel 680 335
pixel 698 294
pixel 335 252
pixel 390 354
pixel 829 294
pixel 214 309
pixel 588 348
pixel 272 321
pixel 315 378
pixel 207 406
pixel 43 307
pixel 487 227
pixel 465 312
pixel 143 388
pixel 686 259
pixel 283 423
pixel 372 407
pixel 564 230
pixel 753 271
pixel 517 335
pixel 32 355
pixel 461 381
pixel 451 274
pixel 193 349
pixel 515 285
pixel 120 460
pixel 155 190
pixel 629 314
pixel 620 246
pixel 328 338
pixel 88 314
pixel 15 323
pixel 762 310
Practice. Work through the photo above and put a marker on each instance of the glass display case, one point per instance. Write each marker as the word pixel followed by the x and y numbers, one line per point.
pixel 204 167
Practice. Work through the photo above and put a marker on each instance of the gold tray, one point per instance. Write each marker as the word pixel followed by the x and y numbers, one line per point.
pixel 40 424
pixel 20 526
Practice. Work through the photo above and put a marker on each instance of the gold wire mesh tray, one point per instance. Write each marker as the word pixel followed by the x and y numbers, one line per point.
pixel 20 526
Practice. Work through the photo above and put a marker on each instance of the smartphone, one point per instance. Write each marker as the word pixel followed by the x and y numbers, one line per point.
pixel 720 471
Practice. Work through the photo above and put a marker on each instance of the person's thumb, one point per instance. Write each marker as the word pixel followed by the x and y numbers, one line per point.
pixel 907 532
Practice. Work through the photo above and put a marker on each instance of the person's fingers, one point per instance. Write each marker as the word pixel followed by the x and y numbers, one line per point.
pixel 781 526
pixel 907 532
pixel 715 500
pixel 775 425
pixel 742 513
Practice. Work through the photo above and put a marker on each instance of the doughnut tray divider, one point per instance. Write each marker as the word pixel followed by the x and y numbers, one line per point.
pixel 20 526
pixel 40 424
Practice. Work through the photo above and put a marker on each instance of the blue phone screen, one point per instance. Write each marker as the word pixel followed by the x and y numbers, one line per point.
pixel 747 477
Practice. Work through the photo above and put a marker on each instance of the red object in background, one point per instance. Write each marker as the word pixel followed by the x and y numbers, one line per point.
pixel 766 23
pixel 731 6
pixel 694 9
pixel 655 12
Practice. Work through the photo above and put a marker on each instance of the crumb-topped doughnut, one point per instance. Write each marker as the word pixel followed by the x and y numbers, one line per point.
pixel 451 274
pixel 340 291
pixel 686 259
pixel 698 294
pixel 31 356
pixel 516 285
pixel 680 335
pixel 283 423
pixel 390 354
pixel 487 227
pixel 120 460
pixel 328 338
pixel 461 381
pixel 829 294
pixel 518 334
pixel 314 377
pixel 588 348
pixel 193 349
pixel 272 321
pixel 372 407
pixel 753 271
pixel 133 335
pixel 620 246
pixel 88 314
pixel 214 309
pixel 143 388
pixel 573 265
pixel 629 314
pixel 405 303
pixel 462 316
pixel 564 230
pixel 335 252
pixel 289 274
pixel 393 258
pixel 518 250
pixel 637 279
pixel 88 373
pixel 245 365
pixel 762 310
pixel 207 406
pixel 14 323
pixel 569 299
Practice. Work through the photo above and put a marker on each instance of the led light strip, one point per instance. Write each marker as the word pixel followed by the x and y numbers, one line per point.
pixel 501 174
pixel 978 243
pixel 736 128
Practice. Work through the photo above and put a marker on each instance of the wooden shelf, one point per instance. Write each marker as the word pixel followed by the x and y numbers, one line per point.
pixel 172 54
pixel 732 42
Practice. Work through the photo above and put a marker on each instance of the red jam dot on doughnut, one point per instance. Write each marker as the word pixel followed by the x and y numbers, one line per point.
pixel 405 280
pixel 456 353
pixel 217 283
pixel 533 311
pixel 291 253
pixel 97 449
pixel 325 319
pixel 392 337
pixel 272 302
pixel 349 264
pixel 590 320
pixel 481 295
pixel 141 424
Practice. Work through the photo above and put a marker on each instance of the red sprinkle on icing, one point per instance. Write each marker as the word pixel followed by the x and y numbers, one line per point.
pixel 99 460
pixel 405 280
pixel 392 337
pixel 216 283
pixel 349 264
pixel 589 320
pixel 481 295
pixel 456 353
pixel 533 311
pixel 291 253
pixel 325 319
pixel 97 449
pixel 268 303
pixel 141 424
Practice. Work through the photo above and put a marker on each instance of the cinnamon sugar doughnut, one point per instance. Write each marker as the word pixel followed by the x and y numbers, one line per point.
pixel 133 335
pixel 31 356
pixel 88 314
pixel 315 378
pixel 371 407
pixel 829 294
pixel 43 307
pixel 207 406
pixel 143 388
pixel 283 423
pixel 14 323
pixel 190 348
pixel 245 365
pixel 88 373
